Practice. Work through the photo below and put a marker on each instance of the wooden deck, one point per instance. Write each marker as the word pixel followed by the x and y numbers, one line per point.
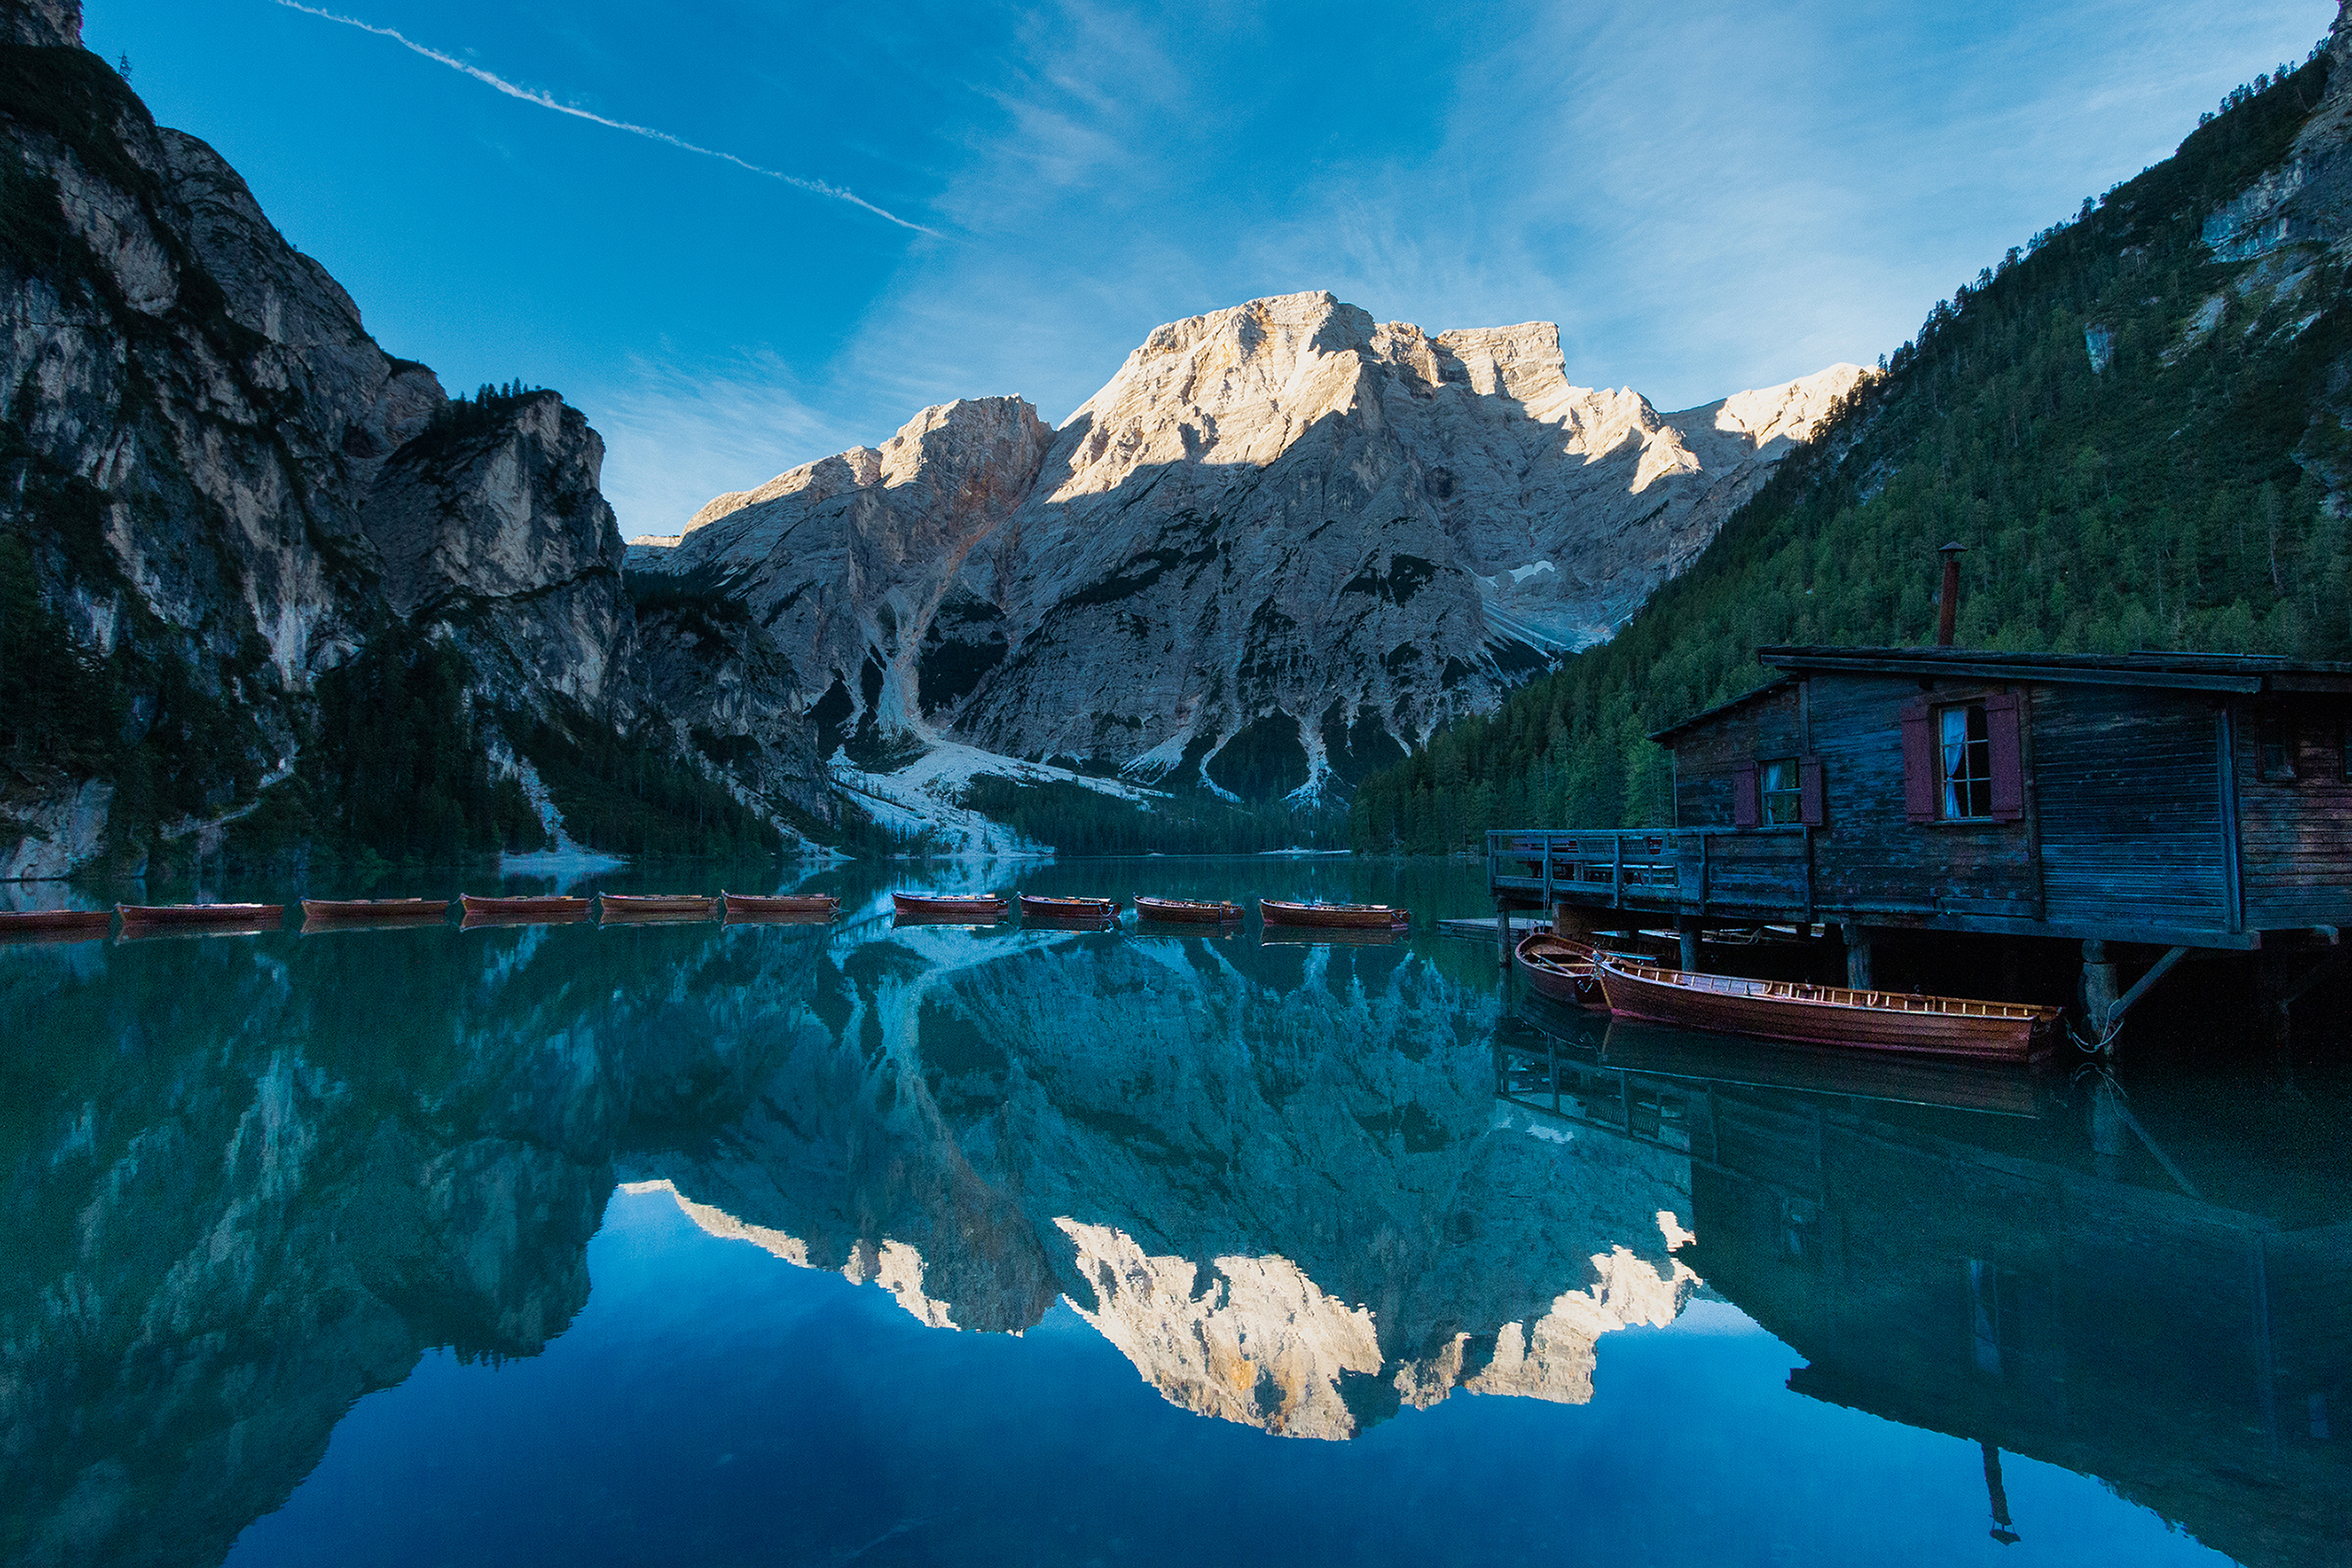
pixel 1742 875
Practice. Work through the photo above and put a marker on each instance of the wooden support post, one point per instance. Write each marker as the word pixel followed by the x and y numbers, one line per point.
pixel 1858 967
pixel 1689 931
pixel 1503 930
pixel 2098 990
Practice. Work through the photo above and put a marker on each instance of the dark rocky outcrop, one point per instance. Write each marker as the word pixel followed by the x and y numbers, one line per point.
pixel 222 488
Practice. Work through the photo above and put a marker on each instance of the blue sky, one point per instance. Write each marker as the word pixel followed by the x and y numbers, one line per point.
pixel 1706 197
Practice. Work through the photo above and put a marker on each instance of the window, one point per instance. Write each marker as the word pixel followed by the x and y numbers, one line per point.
pixel 1964 760
pixel 1783 792
pixel 2275 737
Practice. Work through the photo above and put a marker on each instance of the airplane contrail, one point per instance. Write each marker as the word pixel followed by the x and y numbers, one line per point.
pixel 531 95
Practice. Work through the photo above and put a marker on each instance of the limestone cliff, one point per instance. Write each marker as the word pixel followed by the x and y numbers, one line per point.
pixel 219 488
pixel 1283 541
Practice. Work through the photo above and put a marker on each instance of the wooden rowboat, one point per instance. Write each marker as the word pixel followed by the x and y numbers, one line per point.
pixel 77 924
pixel 948 906
pixel 522 911
pixel 1827 1015
pixel 1558 969
pixel 1188 912
pixel 372 911
pixel 790 905
pixel 1093 912
pixel 1360 917
pixel 146 916
pixel 656 906
pixel 547 904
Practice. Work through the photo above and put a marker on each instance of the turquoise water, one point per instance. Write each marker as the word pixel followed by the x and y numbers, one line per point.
pixel 705 1245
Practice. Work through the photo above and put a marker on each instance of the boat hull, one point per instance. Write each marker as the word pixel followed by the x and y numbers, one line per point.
pixel 149 916
pixel 1188 912
pixel 939 908
pixel 1069 911
pixel 563 905
pixel 622 907
pixel 1357 917
pixel 789 906
pixel 80 924
pixel 1557 970
pixel 374 912
pixel 1812 1015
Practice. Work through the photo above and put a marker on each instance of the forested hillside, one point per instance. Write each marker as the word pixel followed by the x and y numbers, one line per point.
pixel 2134 424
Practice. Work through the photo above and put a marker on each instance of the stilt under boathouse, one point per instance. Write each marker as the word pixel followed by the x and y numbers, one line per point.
pixel 2145 806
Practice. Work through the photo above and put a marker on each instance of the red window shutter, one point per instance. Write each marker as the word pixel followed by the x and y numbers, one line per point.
pixel 1918 764
pixel 1810 784
pixel 2008 757
pixel 1744 805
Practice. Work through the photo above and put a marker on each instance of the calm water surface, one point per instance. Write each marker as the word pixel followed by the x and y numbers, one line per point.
pixel 705 1245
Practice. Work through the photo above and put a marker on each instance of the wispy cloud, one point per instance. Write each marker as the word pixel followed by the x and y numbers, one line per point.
pixel 541 99
pixel 675 439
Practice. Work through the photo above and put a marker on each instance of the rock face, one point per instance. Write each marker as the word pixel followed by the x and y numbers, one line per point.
pixel 224 488
pixel 1282 542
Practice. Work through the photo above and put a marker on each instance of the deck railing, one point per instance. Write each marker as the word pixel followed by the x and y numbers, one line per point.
pixel 1686 869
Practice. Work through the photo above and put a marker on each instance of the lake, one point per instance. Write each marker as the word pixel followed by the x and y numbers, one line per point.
pixel 696 1243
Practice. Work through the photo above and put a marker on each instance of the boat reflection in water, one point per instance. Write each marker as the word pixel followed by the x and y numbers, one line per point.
pixel 2155 1291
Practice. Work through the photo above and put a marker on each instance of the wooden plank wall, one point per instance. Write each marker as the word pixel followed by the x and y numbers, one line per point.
pixel 1705 758
pixel 2298 834
pixel 1868 852
pixel 2129 786
pixel 2126 811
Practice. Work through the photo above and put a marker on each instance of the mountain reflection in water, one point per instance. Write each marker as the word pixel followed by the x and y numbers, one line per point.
pixel 248 1183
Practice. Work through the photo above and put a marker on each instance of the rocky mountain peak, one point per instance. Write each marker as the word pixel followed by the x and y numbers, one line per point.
pixel 1281 542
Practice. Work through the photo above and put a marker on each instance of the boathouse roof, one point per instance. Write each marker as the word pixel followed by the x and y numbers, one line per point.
pixel 2248 674
pixel 1709 715
pixel 2241 672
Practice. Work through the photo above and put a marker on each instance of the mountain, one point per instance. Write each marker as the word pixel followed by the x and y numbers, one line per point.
pixel 2139 424
pixel 259 580
pixel 1281 545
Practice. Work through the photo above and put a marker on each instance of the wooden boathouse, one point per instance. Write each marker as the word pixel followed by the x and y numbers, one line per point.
pixel 2183 801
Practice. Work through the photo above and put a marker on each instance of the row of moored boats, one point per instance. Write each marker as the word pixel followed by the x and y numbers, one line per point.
pixel 734 907
pixel 474 909
pixel 1630 985
pixel 989 907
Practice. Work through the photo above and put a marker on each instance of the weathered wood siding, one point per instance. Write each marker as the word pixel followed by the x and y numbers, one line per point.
pixel 1869 855
pixel 2129 782
pixel 2125 830
pixel 1705 758
pixel 2297 835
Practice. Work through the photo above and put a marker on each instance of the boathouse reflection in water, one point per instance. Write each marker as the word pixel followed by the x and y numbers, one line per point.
pixel 2040 1266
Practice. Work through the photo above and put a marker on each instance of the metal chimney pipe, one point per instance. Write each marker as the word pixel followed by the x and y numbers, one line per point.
pixel 1951 610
